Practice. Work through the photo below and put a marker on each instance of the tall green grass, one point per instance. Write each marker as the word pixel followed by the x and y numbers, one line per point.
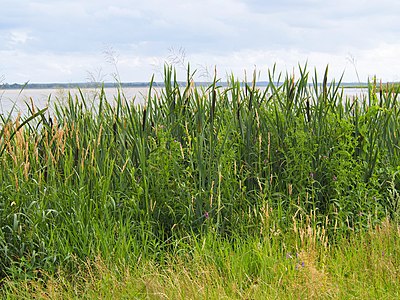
pixel 108 177
pixel 301 264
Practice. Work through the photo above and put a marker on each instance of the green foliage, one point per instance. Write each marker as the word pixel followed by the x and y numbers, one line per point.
pixel 299 264
pixel 102 176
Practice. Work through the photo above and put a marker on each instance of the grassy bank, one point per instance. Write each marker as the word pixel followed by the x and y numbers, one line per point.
pixel 245 183
pixel 298 265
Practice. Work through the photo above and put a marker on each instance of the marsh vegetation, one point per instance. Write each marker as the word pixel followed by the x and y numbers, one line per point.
pixel 218 191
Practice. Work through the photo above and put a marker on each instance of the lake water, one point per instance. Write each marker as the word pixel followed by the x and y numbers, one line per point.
pixel 46 97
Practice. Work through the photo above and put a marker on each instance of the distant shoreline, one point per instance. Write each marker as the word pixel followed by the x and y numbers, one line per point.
pixel 85 85
pixel 82 85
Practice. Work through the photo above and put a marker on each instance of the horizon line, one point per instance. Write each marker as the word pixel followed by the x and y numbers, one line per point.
pixel 138 84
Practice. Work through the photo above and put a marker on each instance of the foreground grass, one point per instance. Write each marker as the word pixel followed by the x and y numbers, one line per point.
pixel 297 265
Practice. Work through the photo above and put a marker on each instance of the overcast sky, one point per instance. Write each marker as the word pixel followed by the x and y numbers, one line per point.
pixel 83 40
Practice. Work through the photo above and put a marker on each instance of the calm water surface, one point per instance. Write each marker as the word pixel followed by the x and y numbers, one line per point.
pixel 47 97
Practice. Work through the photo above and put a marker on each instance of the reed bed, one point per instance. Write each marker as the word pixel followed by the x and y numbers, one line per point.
pixel 105 177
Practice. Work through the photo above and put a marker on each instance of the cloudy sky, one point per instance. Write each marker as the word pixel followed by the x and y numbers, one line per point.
pixel 84 40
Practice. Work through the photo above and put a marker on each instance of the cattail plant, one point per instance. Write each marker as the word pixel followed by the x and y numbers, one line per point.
pixel 109 176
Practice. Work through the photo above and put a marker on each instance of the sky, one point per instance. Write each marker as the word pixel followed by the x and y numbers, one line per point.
pixel 97 40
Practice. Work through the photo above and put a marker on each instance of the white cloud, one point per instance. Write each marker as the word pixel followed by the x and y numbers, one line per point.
pixel 19 37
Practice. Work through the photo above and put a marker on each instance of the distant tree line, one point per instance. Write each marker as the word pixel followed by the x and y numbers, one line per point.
pixel 72 85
